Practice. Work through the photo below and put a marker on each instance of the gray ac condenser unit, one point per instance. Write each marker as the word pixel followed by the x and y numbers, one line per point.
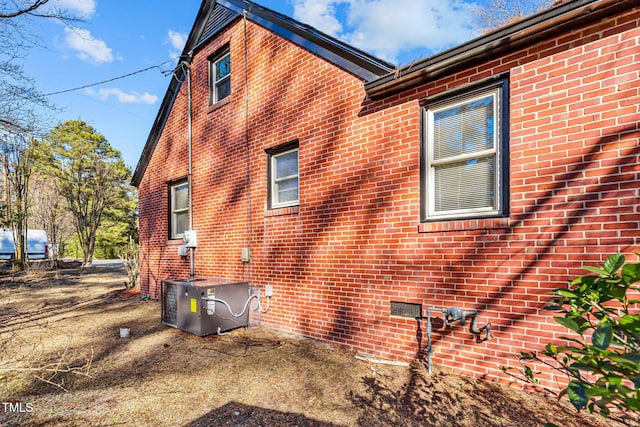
pixel 205 306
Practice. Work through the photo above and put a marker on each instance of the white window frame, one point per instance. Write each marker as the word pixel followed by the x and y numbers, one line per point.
pixel 215 97
pixel 274 181
pixel 174 212
pixel 498 151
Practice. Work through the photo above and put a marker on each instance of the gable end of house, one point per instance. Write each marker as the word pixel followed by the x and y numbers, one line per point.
pixel 215 16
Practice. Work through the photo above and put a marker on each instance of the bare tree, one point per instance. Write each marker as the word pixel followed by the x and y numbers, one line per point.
pixel 13 9
pixel 22 107
pixel 19 156
pixel 19 98
pixel 49 211
pixel 498 13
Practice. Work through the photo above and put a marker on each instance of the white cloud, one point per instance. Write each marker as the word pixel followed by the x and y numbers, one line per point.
pixel 320 14
pixel 122 97
pixel 388 28
pixel 88 48
pixel 176 41
pixel 79 8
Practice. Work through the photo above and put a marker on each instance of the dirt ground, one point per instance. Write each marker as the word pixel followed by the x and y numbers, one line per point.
pixel 62 362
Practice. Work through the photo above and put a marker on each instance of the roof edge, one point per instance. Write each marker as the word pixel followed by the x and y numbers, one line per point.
pixel 503 40
pixel 170 95
pixel 363 65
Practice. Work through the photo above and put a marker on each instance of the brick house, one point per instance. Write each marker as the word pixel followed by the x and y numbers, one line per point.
pixel 482 177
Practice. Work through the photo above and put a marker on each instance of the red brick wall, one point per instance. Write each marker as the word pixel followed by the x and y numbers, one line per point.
pixel 355 243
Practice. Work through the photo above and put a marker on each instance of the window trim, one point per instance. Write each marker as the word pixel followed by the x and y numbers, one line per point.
pixel 272 155
pixel 214 59
pixel 172 187
pixel 499 87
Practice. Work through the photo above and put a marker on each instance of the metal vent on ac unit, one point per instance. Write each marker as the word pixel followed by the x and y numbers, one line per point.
pixel 169 299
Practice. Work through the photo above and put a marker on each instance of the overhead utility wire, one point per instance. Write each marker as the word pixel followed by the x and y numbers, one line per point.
pixel 109 80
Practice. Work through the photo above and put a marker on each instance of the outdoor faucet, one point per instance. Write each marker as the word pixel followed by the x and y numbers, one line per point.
pixel 451 315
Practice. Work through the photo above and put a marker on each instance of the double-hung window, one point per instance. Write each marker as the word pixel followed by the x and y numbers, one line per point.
pixel 465 165
pixel 178 209
pixel 283 176
pixel 220 76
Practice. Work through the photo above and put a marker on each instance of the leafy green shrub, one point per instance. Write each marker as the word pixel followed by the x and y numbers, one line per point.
pixel 602 358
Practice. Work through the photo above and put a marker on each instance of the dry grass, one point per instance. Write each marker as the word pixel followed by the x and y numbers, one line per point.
pixel 160 376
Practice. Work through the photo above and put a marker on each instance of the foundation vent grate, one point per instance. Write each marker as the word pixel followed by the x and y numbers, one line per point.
pixel 405 309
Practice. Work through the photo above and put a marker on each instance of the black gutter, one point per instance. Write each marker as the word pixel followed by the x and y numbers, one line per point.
pixel 562 18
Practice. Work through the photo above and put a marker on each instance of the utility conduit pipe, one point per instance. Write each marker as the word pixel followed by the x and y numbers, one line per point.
pixel 185 64
pixel 451 315
pixel 244 309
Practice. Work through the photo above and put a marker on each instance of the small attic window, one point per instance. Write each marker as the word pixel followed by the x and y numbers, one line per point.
pixel 220 76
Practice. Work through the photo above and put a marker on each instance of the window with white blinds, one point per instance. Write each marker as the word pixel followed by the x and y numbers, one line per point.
pixel 463 156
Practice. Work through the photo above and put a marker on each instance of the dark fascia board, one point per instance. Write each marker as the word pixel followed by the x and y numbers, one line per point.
pixel 566 16
pixel 353 60
pixel 349 58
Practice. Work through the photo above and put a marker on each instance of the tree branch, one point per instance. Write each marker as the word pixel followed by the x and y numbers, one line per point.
pixel 28 10
pixel 10 124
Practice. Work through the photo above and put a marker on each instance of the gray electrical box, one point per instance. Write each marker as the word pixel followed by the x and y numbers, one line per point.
pixel 205 306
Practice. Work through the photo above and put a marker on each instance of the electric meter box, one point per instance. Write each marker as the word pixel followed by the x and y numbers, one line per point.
pixel 205 306
pixel 190 238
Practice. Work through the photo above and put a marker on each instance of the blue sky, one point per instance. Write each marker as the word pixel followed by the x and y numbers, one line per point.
pixel 118 37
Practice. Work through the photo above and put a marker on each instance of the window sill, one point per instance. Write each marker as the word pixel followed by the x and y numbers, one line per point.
pixel 464 225
pixel 219 104
pixel 175 242
pixel 282 211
